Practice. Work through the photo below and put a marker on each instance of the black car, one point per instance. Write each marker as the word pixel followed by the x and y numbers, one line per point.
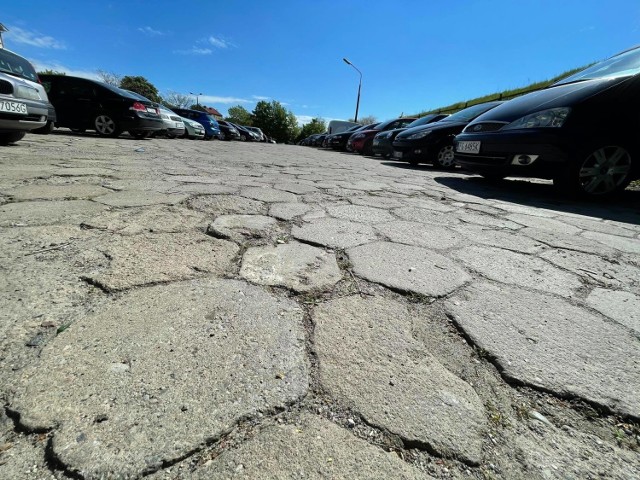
pixel 583 132
pixel 383 141
pixel 82 104
pixel 338 141
pixel 245 134
pixel 228 131
pixel 433 143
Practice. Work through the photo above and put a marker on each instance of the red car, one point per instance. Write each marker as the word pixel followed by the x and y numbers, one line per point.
pixel 362 141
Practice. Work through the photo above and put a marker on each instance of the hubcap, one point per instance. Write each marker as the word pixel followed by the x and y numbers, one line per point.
pixel 605 170
pixel 445 156
pixel 105 125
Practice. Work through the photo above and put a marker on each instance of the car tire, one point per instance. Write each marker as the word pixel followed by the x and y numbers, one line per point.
pixel 598 172
pixel 105 126
pixel 139 134
pixel 46 129
pixel 222 136
pixel 444 158
pixel 367 149
pixel 11 137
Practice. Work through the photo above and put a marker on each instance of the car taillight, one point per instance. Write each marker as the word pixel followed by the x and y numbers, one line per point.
pixel 139 107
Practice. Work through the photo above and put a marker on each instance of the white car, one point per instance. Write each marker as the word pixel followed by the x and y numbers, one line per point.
pixel 24 105
pixel 173 123
pixel 192 129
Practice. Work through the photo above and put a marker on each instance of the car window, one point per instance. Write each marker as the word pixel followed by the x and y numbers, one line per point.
pixel 622 65
pixel 403 123
pixel 470 113
pixel 17 66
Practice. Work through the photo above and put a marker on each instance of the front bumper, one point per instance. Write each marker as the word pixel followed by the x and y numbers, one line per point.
pixel 382 146
pixel 408 150
pixel 36 117
pixel 499 153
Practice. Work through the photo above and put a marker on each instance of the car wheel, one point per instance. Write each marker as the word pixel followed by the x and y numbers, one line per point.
pixel 106 126
pixel 46 130
pixel 445 157
pixel 139 134
pixel 222 136
pixel 11 137
pixel 602 172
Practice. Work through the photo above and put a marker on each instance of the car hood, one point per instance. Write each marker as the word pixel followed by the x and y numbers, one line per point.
pixel 551 97
pixel 436 126
pixel 393 132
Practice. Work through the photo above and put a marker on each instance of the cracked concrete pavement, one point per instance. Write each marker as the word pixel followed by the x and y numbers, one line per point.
pixel 240 310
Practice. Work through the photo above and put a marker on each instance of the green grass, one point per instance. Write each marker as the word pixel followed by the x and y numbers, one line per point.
pixel 504 95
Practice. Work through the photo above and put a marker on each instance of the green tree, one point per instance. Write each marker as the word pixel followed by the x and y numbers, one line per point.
pixel 317 125
pixel 239 115
pixel 51 72
pixel 141 86
pixel 275 121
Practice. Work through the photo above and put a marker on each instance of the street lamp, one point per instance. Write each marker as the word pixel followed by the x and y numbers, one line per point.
pixel 197 95
pixel 359 86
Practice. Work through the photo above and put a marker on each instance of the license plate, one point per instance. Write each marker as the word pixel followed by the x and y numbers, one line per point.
pixel 13 107
pixel 397 154
pixel 151 110
pixel 468 147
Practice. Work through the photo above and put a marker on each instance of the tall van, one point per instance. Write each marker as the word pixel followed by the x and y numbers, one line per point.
pixel 339 126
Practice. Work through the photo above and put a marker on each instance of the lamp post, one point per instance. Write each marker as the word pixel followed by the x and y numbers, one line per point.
pixel 359 87
pixel 197 95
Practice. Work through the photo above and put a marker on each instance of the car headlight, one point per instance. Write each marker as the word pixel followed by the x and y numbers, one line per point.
pixel 418 135
pixel 383 135
pixel 23 91
pixel 551 118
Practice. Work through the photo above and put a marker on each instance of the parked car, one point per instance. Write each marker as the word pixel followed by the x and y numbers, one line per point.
pixel 24 105
pixel 260 133
pixel 433 143
pixel 582 132
pixel 173 124
pixel 210 124
pixel 383 141
pixel 338 141
pixel 245 135
pixel 362 141
pixel 192 129
pixel 228 131
pixel 82 104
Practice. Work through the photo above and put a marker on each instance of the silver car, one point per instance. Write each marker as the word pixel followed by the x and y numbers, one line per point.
pixel 24 105
pixel 173 124
pixel 192 129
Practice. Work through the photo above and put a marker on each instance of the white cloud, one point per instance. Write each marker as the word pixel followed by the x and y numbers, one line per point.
pixel 195 51
pixel 304 119
pixel 260 97
pixel 57 67
pixel 207 99
pixel 35 39
pixel 150 31
pixel 219 42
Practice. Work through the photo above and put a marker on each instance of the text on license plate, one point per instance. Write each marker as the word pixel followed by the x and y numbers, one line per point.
pixel 468 147
pixel 151 110
pixel 397 154
pixel 13 107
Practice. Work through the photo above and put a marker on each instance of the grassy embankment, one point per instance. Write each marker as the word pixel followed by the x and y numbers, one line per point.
pixel 504 95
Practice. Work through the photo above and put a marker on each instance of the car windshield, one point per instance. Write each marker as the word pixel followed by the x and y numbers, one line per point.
pixel 16 65
pixel 622 65
pixel 470 113
pixel 421 121
pixel 123 93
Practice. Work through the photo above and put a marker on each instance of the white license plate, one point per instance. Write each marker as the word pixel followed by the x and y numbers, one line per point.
pixel 397 154
pixel 151 110
pixel 468 147
pixel 13 107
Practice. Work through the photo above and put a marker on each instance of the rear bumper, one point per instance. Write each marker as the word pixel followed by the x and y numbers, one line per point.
pixel 36 117
pixel 137 121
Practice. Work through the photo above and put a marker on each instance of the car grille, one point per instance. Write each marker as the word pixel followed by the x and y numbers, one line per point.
pixel 481 160
pixel 5 87
pixel 485 127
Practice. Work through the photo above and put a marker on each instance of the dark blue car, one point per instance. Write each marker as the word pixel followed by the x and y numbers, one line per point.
pixel 210 124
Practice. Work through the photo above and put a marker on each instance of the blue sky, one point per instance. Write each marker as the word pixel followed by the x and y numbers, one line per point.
pixel 414 55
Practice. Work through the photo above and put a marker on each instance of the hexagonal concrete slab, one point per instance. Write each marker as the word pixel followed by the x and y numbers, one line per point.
pixel 132 198
pixel 546 342
pixel 297 266
pixel 162 371
pixel 369 360
pixel 407 268
pixel 243 227
pixel 334 233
